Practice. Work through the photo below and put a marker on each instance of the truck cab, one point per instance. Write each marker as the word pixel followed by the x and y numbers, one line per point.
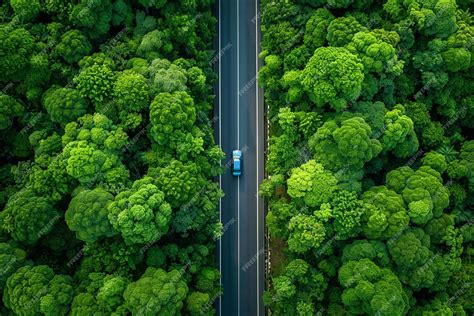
pixel 236 163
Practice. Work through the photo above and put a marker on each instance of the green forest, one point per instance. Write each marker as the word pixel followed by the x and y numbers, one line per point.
pixel 108 198
pixel 371 157
pixel 108 204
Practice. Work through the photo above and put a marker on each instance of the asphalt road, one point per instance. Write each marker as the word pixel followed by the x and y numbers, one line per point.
pixel 240 125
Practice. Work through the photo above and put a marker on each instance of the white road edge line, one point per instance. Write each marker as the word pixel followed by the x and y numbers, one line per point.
pixel 220 163
pixel 256 124
pixel 238 146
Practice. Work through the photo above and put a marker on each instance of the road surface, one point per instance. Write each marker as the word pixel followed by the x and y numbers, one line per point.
pixel 240 126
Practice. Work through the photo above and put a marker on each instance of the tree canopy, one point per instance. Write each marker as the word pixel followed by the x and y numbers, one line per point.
pixel 370 156
pixel 108 204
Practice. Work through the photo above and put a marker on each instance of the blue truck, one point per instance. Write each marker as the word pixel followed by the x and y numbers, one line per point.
pixel 236 163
